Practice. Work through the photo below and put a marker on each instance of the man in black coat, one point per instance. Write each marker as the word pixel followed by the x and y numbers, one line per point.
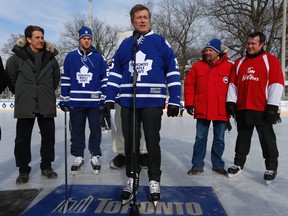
pixel 34 73
pixel 3 81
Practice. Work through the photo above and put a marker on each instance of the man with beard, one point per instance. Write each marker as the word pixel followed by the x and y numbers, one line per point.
pixel 205 91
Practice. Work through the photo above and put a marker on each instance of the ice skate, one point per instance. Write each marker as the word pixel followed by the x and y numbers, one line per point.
pixel 234 170
pixel 77 167
pixel 269 176
pixel 154 188
pixel 127 193
pixel 95 164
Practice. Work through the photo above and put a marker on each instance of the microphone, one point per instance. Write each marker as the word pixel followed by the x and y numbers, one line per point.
pixel 136 35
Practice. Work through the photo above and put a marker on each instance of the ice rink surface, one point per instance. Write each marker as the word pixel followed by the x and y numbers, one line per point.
pixel 244 195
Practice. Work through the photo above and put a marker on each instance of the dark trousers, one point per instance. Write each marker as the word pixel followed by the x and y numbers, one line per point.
pixel 151 120
pixel 267 140
pixel 22 150
pixel 78 118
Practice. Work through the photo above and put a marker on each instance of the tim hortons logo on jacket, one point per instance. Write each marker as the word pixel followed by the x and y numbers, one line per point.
pixel 250 75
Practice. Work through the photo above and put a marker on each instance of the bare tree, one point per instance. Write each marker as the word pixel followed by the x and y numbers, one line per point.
pixel 178 21
pixel 150 5
pixel 236 19
pixel 7 47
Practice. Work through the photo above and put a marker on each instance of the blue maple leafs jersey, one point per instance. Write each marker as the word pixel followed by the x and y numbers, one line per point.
pixel 157 70
pixel 84 79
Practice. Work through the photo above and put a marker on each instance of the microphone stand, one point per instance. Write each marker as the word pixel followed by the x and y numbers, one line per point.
pixel 134 210
pixel 65 208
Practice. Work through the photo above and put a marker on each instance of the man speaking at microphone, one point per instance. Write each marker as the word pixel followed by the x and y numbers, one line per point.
pixel 157 69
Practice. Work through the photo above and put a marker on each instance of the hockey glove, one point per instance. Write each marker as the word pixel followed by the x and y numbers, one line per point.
pixel 190 110
pixel 271 114
pixel 172 111
pixel 64 106
pixel 231 108
pixel 228 126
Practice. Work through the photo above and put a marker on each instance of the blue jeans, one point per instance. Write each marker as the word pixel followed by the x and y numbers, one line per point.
pixel 200 145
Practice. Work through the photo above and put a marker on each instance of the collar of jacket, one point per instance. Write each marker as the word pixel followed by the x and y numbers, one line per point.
pixel 92 50
pixel 255 55
pixel 20 49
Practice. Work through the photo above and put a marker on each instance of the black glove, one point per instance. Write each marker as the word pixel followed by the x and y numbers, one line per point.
pixel 231 108
pixel 228 126
pixel 271 114
pixel 190 110
pixel 109 105
pixel 64 106
pixel 172 111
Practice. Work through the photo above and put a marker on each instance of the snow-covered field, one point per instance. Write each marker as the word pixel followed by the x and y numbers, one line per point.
pixel 245 195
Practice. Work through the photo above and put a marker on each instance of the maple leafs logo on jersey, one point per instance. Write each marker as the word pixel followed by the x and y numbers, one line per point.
pixel 142 65
pixel 84 76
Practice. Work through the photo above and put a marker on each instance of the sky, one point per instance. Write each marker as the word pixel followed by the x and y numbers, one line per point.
pixel 16 15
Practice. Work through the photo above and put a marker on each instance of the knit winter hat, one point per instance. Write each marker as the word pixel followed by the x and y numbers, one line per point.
pixel 214 44
pixel 85 31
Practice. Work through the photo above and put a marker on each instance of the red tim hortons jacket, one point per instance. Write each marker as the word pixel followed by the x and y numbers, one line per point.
pixel 205 88
pixel 256 82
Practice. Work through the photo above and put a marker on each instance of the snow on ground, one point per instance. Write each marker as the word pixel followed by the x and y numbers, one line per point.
pixel 244 195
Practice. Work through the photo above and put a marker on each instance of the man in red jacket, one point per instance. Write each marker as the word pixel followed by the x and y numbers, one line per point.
pixel 254 94
pixel 205 91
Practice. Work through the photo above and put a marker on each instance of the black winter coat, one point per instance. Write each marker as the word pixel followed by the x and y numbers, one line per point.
pixel 4 78
pixel 34 93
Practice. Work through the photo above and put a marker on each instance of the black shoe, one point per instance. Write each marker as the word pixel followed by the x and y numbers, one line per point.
pixel 220 171
pixel 118 162
pixel 234 170
pixel 270 175
pixel 195 171
pixel 49 173
pixel 22 178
